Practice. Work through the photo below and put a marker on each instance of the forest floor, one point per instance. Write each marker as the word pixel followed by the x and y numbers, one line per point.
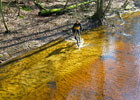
pixel 32 31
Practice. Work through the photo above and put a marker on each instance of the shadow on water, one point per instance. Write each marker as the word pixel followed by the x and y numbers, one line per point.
pixel 59 50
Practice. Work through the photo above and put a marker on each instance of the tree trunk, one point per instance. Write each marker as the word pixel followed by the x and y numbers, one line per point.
pixel 66 4
pixel 97 17
pixel 24 2
pixel 108 6
pixel 125 4
pixel 118 11
pixel 101 6
pixel 3 20
pixel 40 7
pixel 98 5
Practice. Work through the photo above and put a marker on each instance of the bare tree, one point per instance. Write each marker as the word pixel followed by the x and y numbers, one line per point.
pixel 108 6
pixel 3 20
pixel 66 3
pixel 101 10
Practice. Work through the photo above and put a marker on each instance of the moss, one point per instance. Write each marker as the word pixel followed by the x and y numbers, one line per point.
pixel 21 17
pixel 27 8
pixel 1 55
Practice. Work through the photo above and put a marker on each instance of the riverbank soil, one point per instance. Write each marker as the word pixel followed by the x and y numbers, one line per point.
pixel 30 31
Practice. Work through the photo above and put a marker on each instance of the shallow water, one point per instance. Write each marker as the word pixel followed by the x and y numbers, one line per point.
pixel 106 68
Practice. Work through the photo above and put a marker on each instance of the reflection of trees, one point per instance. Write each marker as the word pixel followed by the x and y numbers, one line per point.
pixel 100 79
pixel 99 73
pixel 125 71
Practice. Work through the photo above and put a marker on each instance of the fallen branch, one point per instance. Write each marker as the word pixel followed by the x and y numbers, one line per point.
pixel 48 12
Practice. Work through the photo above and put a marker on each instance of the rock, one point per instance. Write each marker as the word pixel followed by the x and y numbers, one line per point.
pixel 129 7
pixel 32 44
pixel 4 56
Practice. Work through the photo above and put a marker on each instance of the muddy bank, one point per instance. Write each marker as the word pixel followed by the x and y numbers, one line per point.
pixel 33 31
